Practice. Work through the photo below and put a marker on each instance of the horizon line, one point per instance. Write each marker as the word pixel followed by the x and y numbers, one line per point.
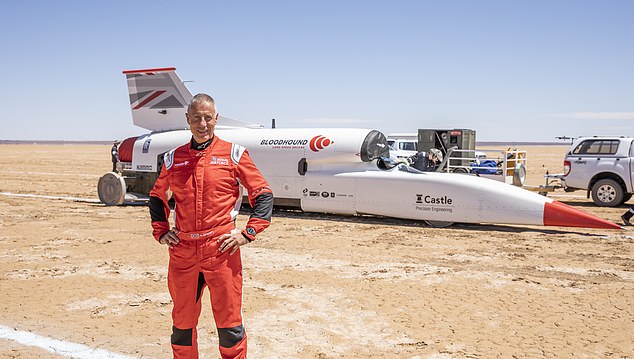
pixel 108 142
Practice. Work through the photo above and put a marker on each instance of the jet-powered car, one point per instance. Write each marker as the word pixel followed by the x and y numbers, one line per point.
pixel 327 170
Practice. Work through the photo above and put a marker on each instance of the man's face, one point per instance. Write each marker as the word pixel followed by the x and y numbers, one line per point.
pixel 202 119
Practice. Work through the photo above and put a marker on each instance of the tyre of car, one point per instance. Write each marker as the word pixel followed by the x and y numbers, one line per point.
pixel 439 224
pixel 607 193
pixel 519 175
pixel 111 189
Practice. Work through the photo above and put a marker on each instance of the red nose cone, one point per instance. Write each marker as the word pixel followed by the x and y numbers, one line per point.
pixel 559 214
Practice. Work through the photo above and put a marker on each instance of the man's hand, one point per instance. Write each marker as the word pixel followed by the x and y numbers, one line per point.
pixel 232 240
pixel 170 238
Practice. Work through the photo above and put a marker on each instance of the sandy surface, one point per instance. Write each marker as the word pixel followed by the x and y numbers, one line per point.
pixel 316 286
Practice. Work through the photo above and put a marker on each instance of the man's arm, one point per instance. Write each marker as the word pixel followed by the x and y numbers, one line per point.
pixel 260 199
pixel 260 219
pixel 259 193
pixel 159 209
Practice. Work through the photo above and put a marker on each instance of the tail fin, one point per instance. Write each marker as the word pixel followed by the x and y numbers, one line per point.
pixel 159 99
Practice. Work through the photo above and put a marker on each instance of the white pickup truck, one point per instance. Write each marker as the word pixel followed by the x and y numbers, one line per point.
pixel 402 147
pixel 603 166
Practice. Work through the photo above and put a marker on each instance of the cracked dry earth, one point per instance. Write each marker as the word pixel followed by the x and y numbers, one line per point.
pixel 316 286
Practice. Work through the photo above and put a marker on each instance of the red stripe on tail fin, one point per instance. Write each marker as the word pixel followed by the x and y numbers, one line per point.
pixel 148 99
pixel 149 70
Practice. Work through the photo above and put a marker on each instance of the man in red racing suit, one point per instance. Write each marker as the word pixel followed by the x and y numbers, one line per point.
pixel 204 177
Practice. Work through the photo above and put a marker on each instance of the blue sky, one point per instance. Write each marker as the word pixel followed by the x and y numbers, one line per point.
pixel 511 70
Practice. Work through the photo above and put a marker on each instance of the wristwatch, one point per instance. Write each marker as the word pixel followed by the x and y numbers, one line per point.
pixel 249 233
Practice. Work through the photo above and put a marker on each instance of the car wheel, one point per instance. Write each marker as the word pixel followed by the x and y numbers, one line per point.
pixel 111 189
pixel 607 193
pixel 439 224
pixel 519 175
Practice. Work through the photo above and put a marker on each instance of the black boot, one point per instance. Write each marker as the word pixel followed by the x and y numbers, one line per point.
pixel 626 217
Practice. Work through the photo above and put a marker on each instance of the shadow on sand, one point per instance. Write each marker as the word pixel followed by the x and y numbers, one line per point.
pixel 363 219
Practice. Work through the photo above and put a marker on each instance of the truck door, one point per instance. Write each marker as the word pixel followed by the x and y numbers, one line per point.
pixel 630 185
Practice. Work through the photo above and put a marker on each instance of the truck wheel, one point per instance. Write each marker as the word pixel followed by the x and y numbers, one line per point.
pixel 607 193
pixel 111 189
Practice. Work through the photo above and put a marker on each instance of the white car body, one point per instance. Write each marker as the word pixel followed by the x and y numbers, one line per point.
pixel 603 166
pixel 329 170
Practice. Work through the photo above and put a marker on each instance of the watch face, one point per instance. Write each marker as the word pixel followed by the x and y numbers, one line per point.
pixel 251 231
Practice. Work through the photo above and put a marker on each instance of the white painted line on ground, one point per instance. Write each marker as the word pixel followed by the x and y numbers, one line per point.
pixel 567 195
pixel 31 195
pixel 51 174
pixel 60 347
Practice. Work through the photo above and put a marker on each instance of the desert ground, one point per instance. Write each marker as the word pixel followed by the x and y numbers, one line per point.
pixel 316 286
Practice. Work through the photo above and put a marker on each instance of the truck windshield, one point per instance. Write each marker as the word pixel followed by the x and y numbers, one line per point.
pixel 408 146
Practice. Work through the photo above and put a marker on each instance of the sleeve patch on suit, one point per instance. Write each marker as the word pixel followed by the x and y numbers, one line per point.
pixel 236 152
pixel 168 159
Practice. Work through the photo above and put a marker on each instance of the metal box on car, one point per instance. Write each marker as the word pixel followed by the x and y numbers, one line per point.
pixel 463 139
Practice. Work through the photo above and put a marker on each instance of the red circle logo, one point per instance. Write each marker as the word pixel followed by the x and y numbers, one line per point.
pixel 318 143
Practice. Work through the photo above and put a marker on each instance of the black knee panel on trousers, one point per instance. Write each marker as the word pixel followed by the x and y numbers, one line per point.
pixel 228 337
pixel 182 336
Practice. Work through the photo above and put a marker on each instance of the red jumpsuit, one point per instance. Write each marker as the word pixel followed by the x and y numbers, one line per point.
pixel 206 187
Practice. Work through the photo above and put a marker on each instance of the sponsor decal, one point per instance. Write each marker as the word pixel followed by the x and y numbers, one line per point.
pixel 318 143
pixel 168 159
pixel 146 145
pixel 236 153
pixel 284 143
pixel 256 192
pixel 315 144
pixel 324 194
pixel 427 203
pixel 427 199
pixel 144 167
pixel 250 231
pixel 200 235
pixel 219 161
pixel 181 164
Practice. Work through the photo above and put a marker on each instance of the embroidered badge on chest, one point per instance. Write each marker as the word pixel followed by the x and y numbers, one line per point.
pixel 219 161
